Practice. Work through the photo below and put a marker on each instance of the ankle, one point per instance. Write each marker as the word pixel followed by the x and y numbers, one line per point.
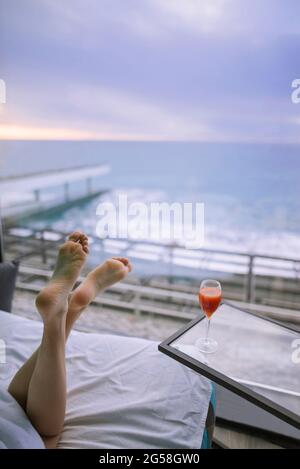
pixel 55 325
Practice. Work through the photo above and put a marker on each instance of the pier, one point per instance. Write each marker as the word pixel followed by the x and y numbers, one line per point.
pixel 23 195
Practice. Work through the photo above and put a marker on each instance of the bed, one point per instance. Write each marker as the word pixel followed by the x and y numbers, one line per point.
pixel 122 393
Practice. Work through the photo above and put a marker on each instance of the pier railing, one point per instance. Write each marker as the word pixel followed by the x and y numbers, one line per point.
pixel 249 277
pixel 35 185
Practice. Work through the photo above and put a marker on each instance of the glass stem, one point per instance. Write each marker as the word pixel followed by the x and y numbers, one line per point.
pixel 207 330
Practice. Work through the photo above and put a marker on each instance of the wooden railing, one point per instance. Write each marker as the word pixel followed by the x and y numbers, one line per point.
pixel 245 274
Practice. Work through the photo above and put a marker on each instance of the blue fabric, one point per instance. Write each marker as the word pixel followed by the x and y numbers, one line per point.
pixel 210 421
pixel 16 431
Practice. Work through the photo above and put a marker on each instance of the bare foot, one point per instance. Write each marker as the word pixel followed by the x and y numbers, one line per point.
pixel 53 299
pixel 107 274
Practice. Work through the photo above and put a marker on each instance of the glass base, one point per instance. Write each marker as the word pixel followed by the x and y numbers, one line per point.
pixel 207 345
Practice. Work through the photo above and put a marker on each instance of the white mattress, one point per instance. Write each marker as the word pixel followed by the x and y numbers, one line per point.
pixel 122 392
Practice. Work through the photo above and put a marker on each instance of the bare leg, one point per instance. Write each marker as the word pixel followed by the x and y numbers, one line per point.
pixel 46 400
pixel 110 272
pixel 19 386
pixel 102 277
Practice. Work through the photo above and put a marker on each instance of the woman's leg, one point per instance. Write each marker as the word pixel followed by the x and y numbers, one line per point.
pixel 50 365
pixel 46 401
pixel 52 303
pixel 110 272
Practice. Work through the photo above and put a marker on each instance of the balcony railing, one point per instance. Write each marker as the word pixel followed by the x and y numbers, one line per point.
pixel 249 277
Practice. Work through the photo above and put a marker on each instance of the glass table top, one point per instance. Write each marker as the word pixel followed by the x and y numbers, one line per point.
pixel 254 352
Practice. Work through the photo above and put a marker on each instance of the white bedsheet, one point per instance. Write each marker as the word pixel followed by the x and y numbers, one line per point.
pixel 122 392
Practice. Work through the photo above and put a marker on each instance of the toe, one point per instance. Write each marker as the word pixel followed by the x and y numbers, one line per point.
pixel 85 247
pixel 80 239
pixel 124 260
pixel 85 244
pixel 75 236
pixel 126 263
pixel 83 238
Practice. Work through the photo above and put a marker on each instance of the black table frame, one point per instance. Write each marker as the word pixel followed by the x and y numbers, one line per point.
pixel 223 380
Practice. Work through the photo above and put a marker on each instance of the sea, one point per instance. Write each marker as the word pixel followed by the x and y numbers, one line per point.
pixel 250 192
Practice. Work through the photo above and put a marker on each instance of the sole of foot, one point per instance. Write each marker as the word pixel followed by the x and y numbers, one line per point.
pixel 104 276
pixel 53 299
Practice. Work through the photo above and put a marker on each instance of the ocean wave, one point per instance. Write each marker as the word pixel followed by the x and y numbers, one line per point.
pixel 225 229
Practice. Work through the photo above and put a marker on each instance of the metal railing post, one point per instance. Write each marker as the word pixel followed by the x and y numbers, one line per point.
pixel 43 248
pixel 171 262
pixel 250 297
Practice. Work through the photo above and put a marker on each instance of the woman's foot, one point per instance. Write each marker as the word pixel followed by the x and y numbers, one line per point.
pixel 53 299
pixel 107 274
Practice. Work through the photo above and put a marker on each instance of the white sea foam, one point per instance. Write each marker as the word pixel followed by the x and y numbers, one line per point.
pixel 220 235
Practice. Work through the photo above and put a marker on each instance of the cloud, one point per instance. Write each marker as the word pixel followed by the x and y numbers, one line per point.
pixel 126 112
pixel 230 17
pixel 150 69
pixel 196 16
pixel 70 110
pixel 96 112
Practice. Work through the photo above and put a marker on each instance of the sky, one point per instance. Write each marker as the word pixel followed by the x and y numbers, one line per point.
pixel 187 70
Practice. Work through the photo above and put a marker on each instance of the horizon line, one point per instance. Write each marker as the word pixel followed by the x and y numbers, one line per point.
pixel 32 134
pixel 162 140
